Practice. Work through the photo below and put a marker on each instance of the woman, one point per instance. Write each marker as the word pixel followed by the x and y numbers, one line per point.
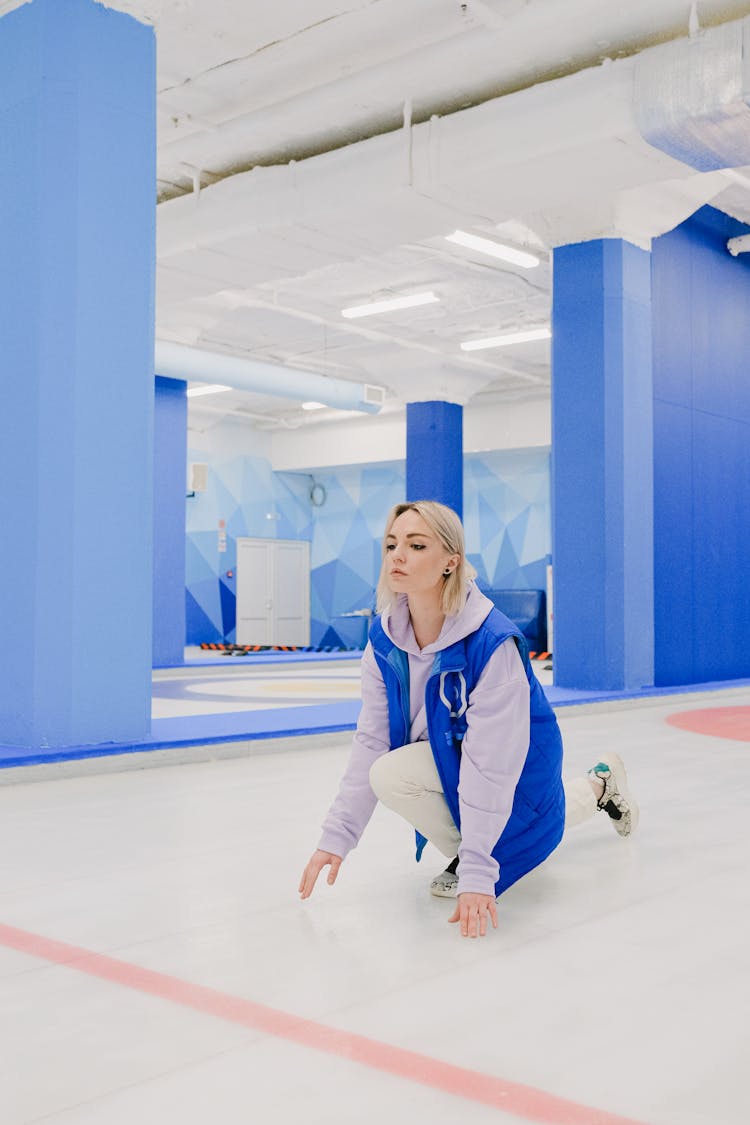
pixel 455 733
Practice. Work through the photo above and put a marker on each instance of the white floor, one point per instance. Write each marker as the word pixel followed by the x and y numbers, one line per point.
pixel 618 980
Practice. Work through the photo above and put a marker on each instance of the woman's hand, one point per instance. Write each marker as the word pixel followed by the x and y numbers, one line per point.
pixel 471 911
pixel 318 861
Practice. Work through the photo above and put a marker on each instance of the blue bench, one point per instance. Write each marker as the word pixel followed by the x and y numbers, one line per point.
pixel 528 610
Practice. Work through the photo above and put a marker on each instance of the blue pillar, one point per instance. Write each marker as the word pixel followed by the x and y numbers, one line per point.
pixel 602 466
pixel 170 456
pixel 434 453
pixel 77 230
pixel 702 452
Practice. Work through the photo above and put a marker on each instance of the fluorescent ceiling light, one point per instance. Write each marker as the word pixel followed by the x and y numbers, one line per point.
pixel 494 249
pixel 206 389
pixel 508 338
pixel 313 406
pixel 389 306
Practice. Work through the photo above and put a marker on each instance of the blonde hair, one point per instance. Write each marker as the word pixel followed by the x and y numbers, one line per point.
pixel 446 525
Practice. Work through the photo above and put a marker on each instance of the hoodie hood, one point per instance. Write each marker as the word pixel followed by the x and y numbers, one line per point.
pixel 398 628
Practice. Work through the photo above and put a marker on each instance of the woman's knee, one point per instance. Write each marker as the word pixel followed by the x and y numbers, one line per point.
pixel 404 773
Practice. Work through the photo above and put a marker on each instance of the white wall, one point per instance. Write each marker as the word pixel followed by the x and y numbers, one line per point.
pixel 227 438
pixel 511 425
pixel 365 440
pixel 369 440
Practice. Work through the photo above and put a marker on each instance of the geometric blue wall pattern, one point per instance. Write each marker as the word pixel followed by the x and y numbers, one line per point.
pixel 243 492
pixel 507 517
pixel 506 514
pixel 345 554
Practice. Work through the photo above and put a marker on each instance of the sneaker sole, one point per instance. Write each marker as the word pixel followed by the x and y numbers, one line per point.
pixel 442 889
pixel 617 769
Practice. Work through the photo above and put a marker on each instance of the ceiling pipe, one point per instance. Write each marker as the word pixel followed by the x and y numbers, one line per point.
pixel 177 361
pixel 685 98
pixel 691 98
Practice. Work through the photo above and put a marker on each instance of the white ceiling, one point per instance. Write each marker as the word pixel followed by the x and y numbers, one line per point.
pixel 314 154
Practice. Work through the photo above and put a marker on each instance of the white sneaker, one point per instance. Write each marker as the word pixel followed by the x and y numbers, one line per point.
pixel 444 885
pixel 616 801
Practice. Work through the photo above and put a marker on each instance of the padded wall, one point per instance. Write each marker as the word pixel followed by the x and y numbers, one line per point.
pixel 701 300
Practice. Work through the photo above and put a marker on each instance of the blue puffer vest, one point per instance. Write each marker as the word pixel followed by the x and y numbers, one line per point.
pixel 535 826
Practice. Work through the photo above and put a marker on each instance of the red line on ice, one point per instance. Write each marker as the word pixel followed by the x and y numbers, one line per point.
pixel 512 1097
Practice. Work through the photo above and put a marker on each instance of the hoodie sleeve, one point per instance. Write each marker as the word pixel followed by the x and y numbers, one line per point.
pixel 349 814
pixel 493 754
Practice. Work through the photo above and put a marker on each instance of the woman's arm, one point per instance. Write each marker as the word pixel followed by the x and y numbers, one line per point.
pixel 355 802
pixel 493 754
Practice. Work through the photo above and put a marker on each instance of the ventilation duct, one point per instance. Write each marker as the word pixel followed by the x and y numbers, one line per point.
pixel 177 361
pixel 691 97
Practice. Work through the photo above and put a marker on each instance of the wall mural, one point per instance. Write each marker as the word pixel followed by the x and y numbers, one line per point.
pixel 341 511
pixel 251 500
pixel 507 517
pixel 345 552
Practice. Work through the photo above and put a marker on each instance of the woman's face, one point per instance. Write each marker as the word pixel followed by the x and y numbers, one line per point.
pixel 415 559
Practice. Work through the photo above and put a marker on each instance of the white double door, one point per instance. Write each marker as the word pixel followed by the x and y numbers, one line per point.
pixel 273 592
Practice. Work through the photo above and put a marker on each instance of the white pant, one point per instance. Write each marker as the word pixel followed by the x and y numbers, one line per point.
pixel 407 781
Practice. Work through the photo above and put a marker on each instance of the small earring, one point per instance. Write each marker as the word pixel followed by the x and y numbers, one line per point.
pixel 447 573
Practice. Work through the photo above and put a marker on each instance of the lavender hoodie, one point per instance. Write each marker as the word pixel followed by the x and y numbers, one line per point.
pixel 492 754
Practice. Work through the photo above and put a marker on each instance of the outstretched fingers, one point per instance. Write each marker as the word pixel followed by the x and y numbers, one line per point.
pixel 317 862
pixel 472 911
pixel 335 864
